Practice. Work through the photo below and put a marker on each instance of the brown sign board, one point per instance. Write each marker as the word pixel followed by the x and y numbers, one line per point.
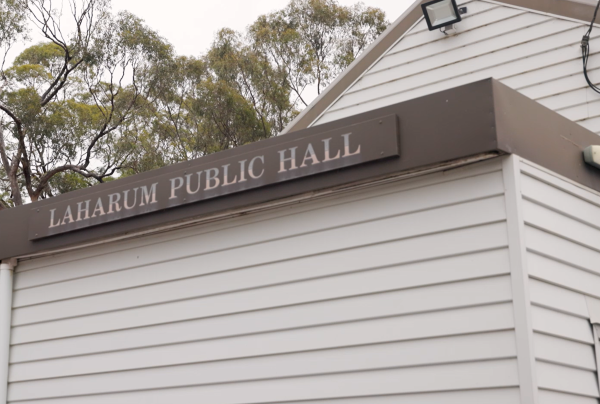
pixel 245 169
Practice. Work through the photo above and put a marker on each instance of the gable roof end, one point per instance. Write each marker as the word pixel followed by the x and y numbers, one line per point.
pixel 582 10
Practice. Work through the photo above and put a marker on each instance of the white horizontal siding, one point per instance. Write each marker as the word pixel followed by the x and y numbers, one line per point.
pixel 554 397
pixel 490 235
pixel 464 294
pixel 382 356
pixel 488 396
pixel 557 223
pixel 214 328
pixel 567 78
pixel 564 201
pixel 247 350
pixel 414 225
pixel 341 267
pixel 564 352
pixel 561 325
pixel 409 75
pixel 400 291
pixel 553 297
pixel 500 373
pixel 562 225
pixel 569 276
pixel 536 54
pixel 198 342
pixel 567 380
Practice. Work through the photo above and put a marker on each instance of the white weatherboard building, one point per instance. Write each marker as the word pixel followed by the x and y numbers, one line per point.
pixel 426 232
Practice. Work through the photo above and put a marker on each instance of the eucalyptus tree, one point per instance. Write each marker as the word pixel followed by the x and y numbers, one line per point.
pixel 238 67
pixel 65 103
pixel 249 86
pixel 228 97
pixel 312 41
pixel 108 97
pixel 13 25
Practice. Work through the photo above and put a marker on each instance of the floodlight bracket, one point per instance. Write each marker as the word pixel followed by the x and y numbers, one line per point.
pixel 448 30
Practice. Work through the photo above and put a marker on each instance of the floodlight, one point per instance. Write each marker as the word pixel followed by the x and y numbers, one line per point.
pixel 441 13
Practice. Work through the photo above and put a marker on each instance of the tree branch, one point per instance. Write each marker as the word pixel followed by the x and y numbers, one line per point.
pixel 59 83
pixel 13 168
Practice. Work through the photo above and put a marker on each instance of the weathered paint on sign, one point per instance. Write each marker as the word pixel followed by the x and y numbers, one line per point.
pixel 347 146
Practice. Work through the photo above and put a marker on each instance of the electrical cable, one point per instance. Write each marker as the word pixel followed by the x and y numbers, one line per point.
pixel 585 51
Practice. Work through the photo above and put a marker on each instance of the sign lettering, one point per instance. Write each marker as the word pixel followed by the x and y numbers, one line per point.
pixel 237 171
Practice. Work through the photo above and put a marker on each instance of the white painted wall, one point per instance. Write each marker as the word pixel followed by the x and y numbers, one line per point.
pixel 562 236
pixel 399 293
pixel 538 55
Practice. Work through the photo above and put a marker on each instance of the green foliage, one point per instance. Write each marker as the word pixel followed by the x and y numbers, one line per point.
pixel 229 97
pixel 249 86
pixel 67 105
pixel 112 99
pixel 312 41
pixel 25 102
pixel 13 24
pixel 365 24
pixel 66 182
pixel 46 54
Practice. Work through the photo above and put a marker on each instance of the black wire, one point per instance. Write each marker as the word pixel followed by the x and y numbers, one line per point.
pixel 585 51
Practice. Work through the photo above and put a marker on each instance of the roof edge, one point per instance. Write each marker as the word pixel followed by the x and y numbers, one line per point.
pixel 540 135
pixel 573 9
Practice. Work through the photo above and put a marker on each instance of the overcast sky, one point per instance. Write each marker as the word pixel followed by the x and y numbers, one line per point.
pixel 191 24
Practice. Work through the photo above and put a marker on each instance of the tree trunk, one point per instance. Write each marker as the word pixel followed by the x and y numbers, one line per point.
pixel 11 173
